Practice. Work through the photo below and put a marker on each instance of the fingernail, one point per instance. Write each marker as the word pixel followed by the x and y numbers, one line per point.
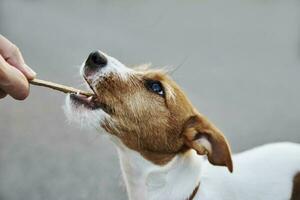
pixel 30 71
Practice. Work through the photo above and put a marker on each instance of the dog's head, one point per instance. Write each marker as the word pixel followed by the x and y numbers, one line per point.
pixel 146 111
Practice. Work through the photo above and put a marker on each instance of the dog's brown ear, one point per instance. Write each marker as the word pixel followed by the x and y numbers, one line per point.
pixel 202 136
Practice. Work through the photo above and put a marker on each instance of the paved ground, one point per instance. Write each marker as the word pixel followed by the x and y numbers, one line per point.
pixel 239 62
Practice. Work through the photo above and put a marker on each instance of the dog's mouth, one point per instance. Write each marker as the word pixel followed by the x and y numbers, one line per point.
pixel 89 102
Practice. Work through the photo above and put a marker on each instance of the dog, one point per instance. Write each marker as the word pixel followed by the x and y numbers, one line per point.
pixel 167 148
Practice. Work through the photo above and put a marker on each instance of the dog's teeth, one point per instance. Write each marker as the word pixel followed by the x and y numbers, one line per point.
pixel 90 98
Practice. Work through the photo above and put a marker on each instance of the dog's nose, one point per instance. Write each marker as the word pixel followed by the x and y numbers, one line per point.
pixel 96 60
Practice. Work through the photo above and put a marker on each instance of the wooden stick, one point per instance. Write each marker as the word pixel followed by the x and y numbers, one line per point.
pixel 59 87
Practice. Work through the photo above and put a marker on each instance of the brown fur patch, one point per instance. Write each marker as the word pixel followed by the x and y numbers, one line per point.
pixel 296 187
pixel 144 121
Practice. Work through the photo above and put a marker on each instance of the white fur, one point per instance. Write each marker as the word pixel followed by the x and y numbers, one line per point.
pixel 85 117
pixel 263 173
pixel 145 180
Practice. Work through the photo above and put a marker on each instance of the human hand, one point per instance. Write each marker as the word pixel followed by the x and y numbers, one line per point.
pixel 14 73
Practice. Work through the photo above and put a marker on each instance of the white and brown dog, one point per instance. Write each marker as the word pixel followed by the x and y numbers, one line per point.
pixel 166 147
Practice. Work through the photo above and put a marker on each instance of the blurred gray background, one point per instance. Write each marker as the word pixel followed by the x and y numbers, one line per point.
pixel 238 61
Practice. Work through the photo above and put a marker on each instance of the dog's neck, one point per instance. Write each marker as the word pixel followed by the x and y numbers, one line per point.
pixel 145 180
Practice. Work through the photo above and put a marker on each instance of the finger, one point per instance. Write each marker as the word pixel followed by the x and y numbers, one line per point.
pixel 12 81
pixel 2 94
pixel 13 56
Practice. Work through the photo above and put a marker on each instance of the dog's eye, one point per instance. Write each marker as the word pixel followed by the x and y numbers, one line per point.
pixel 156 87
